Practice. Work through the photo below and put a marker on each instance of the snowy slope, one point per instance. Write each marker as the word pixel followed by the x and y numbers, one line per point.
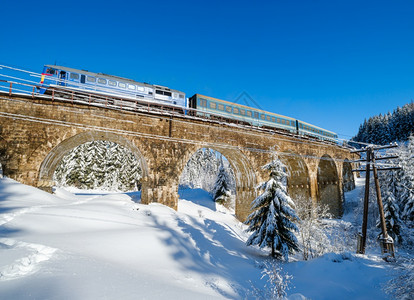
pixel 68 246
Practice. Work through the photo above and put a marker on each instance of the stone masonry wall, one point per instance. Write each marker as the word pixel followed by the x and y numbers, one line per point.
pixel 36 133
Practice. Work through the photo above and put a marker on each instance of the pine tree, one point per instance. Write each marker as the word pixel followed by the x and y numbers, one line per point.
pixel 407 180
pixel 99 164
pixel 392 217
pixel 221 191
pixel 272 220
pixel 383 129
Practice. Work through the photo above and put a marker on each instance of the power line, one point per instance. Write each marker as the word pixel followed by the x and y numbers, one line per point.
pixel 292 138
pixel 59 80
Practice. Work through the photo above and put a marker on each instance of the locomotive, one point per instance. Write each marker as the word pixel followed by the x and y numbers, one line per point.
pixel 102 84
pixel 199 105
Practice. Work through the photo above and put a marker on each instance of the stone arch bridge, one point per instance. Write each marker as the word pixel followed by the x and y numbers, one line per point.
pixel 35 134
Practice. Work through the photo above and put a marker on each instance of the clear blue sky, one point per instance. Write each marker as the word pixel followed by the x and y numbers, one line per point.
pixel 330 63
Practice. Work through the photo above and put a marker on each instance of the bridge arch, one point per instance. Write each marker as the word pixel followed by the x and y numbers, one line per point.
pixel 328 185
pixel 298 181
pixel 53 158
pixel 244 173
pixel 348 180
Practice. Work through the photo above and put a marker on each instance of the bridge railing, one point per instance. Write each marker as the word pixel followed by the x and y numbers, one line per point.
pixel 30 88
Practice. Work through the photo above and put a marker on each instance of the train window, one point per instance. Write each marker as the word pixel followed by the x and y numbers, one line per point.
pixel 278 120
pixel 262 116
pixel 249 113
pixel 203 103
pixel 74 76
pixel 132 87
pixel 235 110
pixel 228 108
pixel 273 119
pixel 268 118
pixel 181 96
pixel 283 121
pixel 111 82
pixel 242 112
pixel 221 107
pixel 213 105
pixel 122 85
pixel 256 115
pixel 141 88
pixel 159 92
pixel 91 79
pixel 292 123
pixel 50 71
pixel 101 81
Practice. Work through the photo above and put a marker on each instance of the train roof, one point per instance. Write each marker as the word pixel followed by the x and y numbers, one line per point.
pixel 244 106
pixel 106 76
pixel 263 111
pixel 316 127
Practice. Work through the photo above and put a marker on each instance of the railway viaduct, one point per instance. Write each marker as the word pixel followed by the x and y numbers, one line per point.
pixel 36 133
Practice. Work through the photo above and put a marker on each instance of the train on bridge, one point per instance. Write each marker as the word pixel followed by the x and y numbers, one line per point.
pixel 74 80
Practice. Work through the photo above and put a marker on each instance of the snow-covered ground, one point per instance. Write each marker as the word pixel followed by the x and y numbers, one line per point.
pixel 109 246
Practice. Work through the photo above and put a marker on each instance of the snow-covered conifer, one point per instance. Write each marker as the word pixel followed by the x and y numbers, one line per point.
pixel 99 165
pixel 272 220
pixel 392 217
pixel 221 191
pixel 407 179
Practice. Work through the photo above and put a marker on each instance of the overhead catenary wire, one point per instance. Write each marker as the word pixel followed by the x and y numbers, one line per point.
pixel 292 138
pixel 95 87
pixel 102 89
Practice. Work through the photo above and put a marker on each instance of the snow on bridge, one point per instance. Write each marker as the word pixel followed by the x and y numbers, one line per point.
pixel 36 133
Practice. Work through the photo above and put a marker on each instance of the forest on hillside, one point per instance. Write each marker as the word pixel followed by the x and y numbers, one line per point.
pixel 397 186
pixel 390 127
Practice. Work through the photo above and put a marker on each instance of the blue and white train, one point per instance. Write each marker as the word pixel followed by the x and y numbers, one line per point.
pixel 208 106
pixel 107 85
pixel 102 84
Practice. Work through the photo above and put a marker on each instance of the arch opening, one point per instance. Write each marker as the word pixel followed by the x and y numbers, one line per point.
pixel 348 180
pixel 206 169
pixel 244 177
pixel 298 180
pixel 328 186
pixel 99 165
pixel 51 171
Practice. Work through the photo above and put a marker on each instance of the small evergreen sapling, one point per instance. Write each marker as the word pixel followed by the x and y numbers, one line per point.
pixel 221 192
pixel 271 221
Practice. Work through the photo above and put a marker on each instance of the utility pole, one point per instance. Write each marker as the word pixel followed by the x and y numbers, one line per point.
pixel 387 244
